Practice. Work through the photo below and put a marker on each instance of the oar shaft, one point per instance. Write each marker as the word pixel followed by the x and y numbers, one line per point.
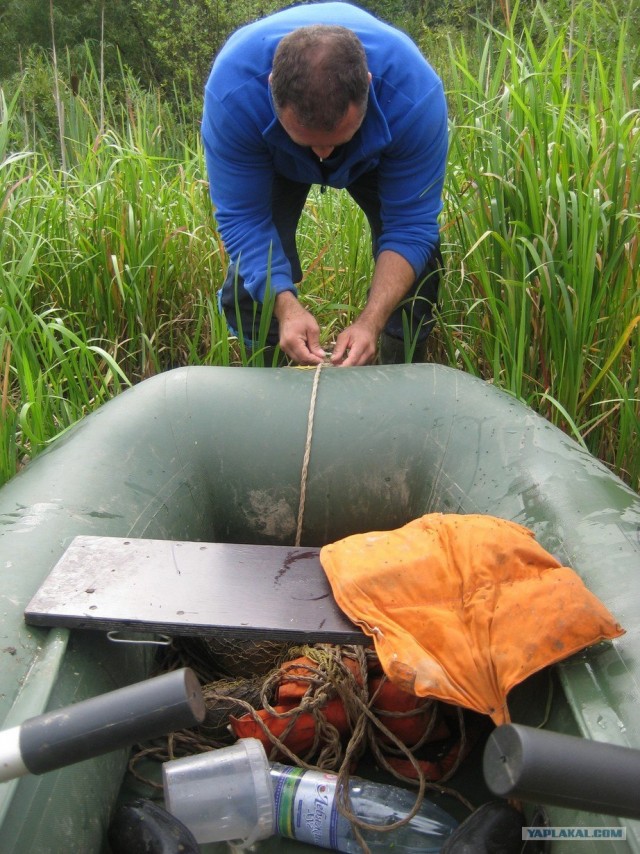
pixel 118 719
pixel 563 770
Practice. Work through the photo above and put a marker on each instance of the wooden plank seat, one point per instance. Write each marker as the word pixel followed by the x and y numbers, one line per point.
pixel 192 588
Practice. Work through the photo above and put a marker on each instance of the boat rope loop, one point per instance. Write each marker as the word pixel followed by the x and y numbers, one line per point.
pixel 307 451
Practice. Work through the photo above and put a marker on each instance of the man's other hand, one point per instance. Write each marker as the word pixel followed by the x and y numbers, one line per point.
pixel 299 331
pixel 356 345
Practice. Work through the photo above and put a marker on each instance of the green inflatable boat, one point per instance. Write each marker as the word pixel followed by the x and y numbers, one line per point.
pixel 215 455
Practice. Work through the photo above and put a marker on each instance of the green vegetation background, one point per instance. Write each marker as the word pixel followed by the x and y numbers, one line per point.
pixel 109 257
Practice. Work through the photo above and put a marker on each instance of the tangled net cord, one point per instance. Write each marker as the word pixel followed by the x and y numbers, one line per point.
pixel 330 678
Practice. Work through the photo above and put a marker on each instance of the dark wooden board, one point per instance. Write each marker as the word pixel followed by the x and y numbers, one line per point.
pixel 186 588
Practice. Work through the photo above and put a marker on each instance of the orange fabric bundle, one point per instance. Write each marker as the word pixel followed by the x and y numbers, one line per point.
pixel 296 675
pixel 406 716
pixel 462 608
pixel 409 717
pixel 302 732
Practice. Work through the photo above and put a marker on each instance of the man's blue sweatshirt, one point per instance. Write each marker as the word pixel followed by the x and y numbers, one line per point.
pixel 403 135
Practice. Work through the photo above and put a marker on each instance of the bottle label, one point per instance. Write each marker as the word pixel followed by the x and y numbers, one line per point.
pixel 306 808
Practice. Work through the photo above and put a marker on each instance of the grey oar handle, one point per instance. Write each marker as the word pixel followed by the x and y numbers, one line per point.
pixel 118 719
pixel 563 770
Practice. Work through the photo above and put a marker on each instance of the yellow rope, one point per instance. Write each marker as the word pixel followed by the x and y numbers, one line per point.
pixel 307 452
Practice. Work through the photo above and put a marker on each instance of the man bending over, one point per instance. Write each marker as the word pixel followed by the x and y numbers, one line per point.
pixel 294 100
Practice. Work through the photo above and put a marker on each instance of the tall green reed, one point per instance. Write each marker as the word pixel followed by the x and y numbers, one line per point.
pixel 52 372
pixel 107 267
pixel 542 230
pixel 335 244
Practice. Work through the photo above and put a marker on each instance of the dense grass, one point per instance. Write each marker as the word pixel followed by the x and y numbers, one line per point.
pixel 543 208
pixel 109 267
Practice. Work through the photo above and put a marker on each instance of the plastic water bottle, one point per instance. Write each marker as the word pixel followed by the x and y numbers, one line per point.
pixel 235 793
pixel 306 809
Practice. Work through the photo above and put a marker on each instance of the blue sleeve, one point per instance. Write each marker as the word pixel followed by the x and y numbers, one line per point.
pixel 411 178
pixel 240 174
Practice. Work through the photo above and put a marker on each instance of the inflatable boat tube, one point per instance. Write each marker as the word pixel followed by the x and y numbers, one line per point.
pixel 215 454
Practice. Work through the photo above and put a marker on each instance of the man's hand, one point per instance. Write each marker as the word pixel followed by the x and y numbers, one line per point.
pixel 392 278
pixel 356 345
pixel 299 331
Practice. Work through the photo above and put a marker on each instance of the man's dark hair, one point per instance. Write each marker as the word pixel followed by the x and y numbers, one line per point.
pixel 318 71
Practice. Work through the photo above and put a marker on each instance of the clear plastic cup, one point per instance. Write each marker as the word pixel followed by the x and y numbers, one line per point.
pixel 224 794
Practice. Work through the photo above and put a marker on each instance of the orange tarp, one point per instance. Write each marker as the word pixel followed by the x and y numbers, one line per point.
pixel 462 608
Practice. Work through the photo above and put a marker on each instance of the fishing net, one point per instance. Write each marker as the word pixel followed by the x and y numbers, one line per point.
pixel 239 657
pixel 318 706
